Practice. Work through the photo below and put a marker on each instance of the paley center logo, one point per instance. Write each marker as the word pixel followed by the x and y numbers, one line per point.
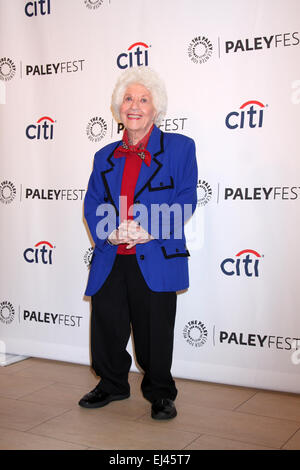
pixel 7 69
pixel 195 333
pixel 7 312
pixel 245 262
pixel 204 193
pixel 93 4
pixel 250 114
pixel 200 50
pixel 136 55
pixel 7 192
pixel 43 129
pixel 38 7
pixel 96 129
pixel 41 253
pixel 87 257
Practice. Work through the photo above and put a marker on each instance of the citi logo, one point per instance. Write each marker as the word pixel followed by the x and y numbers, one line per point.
pixel 43 129
pixel 137 55
pixel 40 254
pixel 251 115
pixel 245 262
pixel 38 7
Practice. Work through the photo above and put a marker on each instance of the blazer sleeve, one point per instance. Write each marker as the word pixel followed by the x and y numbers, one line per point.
pixel 94 199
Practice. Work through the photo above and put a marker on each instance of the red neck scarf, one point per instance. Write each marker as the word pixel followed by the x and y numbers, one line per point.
pixel 125 149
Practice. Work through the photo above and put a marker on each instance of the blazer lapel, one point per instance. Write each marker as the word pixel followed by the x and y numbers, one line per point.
pixel 147 173
pixel 112 176
pixel 112 179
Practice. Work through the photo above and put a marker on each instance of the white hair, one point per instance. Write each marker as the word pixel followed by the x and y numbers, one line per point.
pixel 149 79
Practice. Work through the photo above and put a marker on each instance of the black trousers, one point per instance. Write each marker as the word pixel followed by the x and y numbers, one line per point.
pixel 125 301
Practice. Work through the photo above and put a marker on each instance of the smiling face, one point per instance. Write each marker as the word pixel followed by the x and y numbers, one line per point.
pixel 137 111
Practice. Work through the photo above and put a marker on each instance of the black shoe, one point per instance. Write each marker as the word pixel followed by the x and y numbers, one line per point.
pixel 163 408
pixel 97 398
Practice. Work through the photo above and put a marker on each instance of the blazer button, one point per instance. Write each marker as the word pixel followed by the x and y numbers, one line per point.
pixel 105 199
pixel 177 250
pixel 142 257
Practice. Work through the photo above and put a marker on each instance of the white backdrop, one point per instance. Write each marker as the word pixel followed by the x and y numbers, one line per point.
pixel 233 77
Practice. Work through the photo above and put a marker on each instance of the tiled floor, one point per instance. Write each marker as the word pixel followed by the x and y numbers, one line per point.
pixel 39 410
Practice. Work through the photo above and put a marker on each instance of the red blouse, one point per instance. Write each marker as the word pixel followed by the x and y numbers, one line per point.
pixel 135 155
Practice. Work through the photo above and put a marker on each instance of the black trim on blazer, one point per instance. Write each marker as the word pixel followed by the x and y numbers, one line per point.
pixel 109 196
pixel 159 165
pixel 147 184
pixel 162 148
pixel 175 255
pixel 160 188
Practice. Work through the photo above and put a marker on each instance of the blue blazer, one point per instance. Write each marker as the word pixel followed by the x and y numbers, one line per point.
pixel 170 180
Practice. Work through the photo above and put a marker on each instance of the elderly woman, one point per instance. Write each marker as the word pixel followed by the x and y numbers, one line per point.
pixel 141 191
